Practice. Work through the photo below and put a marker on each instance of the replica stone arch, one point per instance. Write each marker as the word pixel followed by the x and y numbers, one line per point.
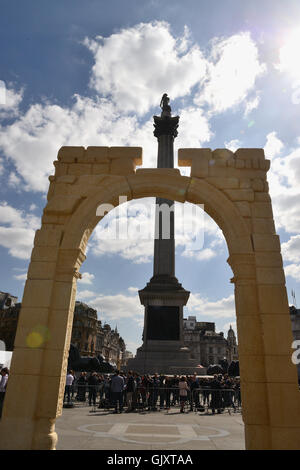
pixel 234 190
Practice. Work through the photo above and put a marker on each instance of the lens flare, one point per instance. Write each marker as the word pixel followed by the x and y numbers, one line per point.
pixel 37 337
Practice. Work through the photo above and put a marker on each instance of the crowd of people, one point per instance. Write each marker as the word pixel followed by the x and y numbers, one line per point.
pixel 133 391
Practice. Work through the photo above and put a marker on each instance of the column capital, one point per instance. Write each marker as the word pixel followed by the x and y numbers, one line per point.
pixel 166 126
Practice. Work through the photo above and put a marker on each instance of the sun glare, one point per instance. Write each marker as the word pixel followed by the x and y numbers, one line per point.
pixel 289 54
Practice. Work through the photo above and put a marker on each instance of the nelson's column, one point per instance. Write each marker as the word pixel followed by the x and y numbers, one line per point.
pixel 163 350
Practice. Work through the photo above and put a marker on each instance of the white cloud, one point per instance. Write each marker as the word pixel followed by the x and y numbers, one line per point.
pixel 9 101
pixel 273 146
pixel 251 105
pixel 119 306
pixel 233 145
pixel 291 249
pixel 293 270
pixel 86 294
pixel 17 231
pixel 87 278
pixel 223 308
pixel 233 69
pixel 289 55
pixel 20 277
pixel 136 65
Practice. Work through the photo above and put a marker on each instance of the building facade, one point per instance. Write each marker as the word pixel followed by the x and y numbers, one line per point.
pixel 88 334
pixel 206 345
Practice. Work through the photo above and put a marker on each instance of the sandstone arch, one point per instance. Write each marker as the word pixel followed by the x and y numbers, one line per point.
pixel 234 191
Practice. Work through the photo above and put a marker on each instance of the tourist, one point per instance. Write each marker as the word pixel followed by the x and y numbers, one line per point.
pixel 216 395
pixel 183 391
pixel 194 394
pixel 69 386
pixel 130 389
pixel 92 386
pixel 81 383
pixel 117 389
pixel 3 384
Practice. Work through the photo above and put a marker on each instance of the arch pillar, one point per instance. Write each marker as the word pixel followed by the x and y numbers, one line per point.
pixel 35 390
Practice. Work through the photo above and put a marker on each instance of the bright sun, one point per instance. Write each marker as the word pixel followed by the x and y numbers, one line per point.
pixel 289 54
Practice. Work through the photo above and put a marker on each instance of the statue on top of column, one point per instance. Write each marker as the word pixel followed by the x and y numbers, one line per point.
pixel 164 104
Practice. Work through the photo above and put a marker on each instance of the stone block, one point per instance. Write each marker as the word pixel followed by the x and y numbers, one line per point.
pixel 223 183
pixel 63 296
pixel 44 253
pixel 273 299
pixel 250 154
pixel 100 168
pixel 67 179
pixel 41 270
pixel 53 362
pixel 51 389
pixel 258 184
pixel 263 226
pixel 249 334
pixel 284 405
pixel 270 259
pixel 277 334
pixel 270 275
pixel 266 242
pixel 244 208
pixel 62 205
pixel 29 319
pixel 187 156
pixel 262 197
pixel 257 437
pixel 61 169
pixel 48 236
pixel 280 369
pixel 124 166
pixel 60 328
pixel 97 155
pixel 37 293
pixel 240 194
pixel 27 361
pixel 246 299
pixel 262 209
pixel 222 155
pixel 239 163
pixel 285 437
pixel 70 154
pixel 132 153
pixel 214 169
pixel 79 169
pixel 255 403
pixel 24 408
pixel 252 368
pixel 245 183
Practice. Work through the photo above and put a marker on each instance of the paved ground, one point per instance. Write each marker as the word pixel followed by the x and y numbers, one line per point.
pixel 79 428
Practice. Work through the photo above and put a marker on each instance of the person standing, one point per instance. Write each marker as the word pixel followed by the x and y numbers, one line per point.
pixel 3 384
pixel 183 392
pixel 117 388
pixel 69 386
pixel 92 385
pixel 130 389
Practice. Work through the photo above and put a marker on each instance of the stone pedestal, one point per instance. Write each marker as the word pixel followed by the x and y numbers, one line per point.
pixel 163 350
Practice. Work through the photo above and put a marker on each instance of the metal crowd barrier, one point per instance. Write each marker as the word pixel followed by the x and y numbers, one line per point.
pixel 203 399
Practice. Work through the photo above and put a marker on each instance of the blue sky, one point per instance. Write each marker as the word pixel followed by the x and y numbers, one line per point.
pixel 93 72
